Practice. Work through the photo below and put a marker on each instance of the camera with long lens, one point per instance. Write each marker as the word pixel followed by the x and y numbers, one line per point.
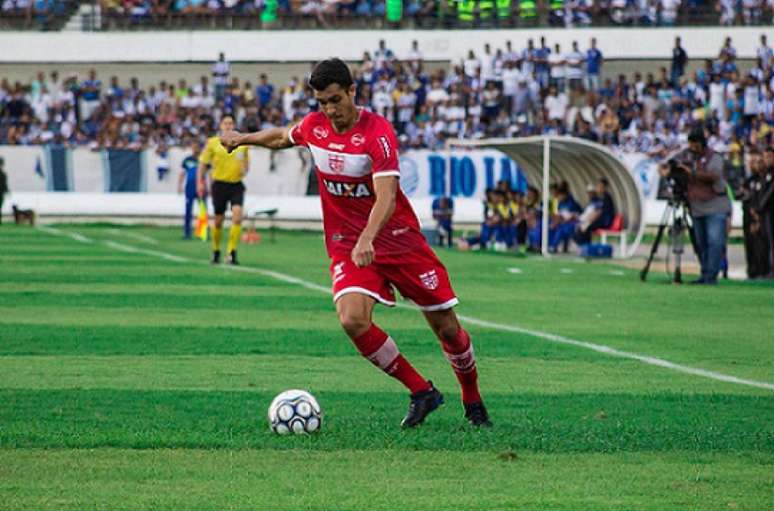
pixel 677 179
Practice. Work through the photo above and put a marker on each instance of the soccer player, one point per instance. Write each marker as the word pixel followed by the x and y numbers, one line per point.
pixel 228 169
pixel 373 239
pixel 187 183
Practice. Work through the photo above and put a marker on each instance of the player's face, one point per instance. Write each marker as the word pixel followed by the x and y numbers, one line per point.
pixel 227 124
pixel 338 105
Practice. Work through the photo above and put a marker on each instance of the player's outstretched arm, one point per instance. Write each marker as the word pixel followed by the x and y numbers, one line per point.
pixel 272 138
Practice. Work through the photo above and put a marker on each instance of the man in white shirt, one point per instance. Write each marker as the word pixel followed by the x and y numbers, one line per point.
pixel 220 75
pixel 528 58
pixel 727 12
pixel 487 65
pixel 510 54
pixel 556 63
pixel 555 105
pixel 574 67
pixel 752 100
pixel 454 117
pixel 382 102
pixel 511 76
pixel 383 55
pixel 669 10
pixel 717 97
pixel 414 55
pixel 471 65
pixel 765 54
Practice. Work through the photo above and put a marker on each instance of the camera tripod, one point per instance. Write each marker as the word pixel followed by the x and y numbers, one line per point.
pixel 678 219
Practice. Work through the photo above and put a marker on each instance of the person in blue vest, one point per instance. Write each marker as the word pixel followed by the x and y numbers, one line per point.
pixel 599 212
pixel 566 218
pixel 187 183
pixel 443 213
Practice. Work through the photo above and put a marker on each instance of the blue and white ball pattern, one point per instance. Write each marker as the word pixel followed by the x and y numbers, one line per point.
pixel 295 411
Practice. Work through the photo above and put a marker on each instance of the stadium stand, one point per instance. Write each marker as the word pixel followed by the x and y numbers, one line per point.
pixel 448 14
pixel 497 92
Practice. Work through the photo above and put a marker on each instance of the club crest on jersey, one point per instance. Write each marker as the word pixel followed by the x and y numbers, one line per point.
pixel 320 132
pixel 357 139
pixel 336 163
pixel 385 146
pixel 429 279
pixel 351 190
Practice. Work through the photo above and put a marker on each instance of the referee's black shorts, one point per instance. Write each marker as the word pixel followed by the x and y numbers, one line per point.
pixel 224 193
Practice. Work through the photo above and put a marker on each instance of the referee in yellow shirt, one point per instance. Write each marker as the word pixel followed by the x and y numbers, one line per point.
pixel 228 169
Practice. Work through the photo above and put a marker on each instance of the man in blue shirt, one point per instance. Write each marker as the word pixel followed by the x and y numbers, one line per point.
pixel 679 60
pixel 187 184
pixel 542 69
pixel 90 95
pixel 443 212
pixel 565 220
pixel 599 213
pixel 593 65
pixel 264 91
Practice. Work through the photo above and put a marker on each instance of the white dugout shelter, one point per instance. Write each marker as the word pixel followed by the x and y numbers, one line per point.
pixel 579 162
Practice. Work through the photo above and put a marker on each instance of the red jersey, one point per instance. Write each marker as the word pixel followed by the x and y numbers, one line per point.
pixel 346 165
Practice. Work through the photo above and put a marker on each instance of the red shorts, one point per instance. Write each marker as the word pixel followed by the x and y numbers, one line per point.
pixel 419 276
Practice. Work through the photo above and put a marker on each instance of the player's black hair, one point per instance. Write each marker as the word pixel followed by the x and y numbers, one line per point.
pixel 222 117
pixel 330 71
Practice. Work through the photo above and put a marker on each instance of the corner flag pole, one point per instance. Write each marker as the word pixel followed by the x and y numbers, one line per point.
pixel 546 198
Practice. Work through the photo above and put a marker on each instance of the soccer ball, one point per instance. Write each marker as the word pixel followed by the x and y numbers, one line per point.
pixel 295 411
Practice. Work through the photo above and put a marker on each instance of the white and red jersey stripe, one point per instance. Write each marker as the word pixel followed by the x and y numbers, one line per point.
pixel 346 165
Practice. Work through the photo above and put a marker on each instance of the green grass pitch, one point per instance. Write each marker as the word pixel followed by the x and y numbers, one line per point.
pixel 134 375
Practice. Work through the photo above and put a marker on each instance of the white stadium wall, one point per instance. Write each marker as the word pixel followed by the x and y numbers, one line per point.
pixel 307 46
pixel 464 174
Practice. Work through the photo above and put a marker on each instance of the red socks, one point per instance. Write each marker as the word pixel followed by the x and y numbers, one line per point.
pixel 381 351
pixel 463 361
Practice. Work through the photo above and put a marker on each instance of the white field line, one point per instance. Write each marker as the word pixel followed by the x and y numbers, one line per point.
pixel 74 235
pixel 599 348
pixel 134 235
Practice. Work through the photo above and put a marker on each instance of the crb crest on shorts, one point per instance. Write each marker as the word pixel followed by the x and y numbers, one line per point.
pixel 429 279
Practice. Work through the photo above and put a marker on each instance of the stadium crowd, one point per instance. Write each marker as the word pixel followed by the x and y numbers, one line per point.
pixel 207 14
pixel 540 89
pixel 33 13
pixel 495 92
pixel 449 13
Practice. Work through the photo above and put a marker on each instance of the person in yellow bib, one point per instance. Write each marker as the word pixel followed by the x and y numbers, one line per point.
pixel 228 169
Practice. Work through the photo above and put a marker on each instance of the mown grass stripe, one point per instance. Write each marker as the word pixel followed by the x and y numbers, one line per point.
pixel 603 349
pixel 339 369
pixel 381 480
pixel 236 420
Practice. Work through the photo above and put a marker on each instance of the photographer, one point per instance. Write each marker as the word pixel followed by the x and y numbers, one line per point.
pixel 755 235
pixel 700 171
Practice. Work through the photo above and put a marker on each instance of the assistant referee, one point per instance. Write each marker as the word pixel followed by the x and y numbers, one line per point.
pixel 228 169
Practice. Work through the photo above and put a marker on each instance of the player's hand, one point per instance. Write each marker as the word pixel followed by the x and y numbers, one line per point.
pixel 363 253
pixel 200 189
pixel 230 140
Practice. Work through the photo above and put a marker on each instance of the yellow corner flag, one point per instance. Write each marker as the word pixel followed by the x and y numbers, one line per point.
pixel 201 221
